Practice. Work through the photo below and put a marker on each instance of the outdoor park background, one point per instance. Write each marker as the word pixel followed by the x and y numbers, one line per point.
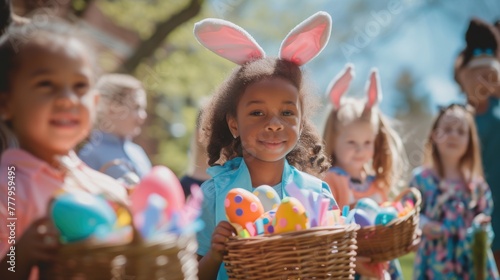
pixel 413 43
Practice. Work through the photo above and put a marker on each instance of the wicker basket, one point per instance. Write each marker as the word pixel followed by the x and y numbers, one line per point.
pixel 171 258
pixel 316 253
pixel 384 243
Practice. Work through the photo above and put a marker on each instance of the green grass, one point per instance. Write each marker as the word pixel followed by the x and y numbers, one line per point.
pixel 407 265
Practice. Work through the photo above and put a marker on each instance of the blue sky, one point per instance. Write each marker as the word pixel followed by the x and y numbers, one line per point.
pixel 419 36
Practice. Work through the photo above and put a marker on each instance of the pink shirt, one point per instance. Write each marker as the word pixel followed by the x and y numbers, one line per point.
pixel 36 182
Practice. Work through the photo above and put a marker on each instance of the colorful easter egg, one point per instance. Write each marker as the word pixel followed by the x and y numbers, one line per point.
pixel 386 215
pixel 358 216
pixel 162 181
pixel 370 207
pixel 264 223
pixel 268 197
pixel 242 206
pixel 290 216
pixel 79 215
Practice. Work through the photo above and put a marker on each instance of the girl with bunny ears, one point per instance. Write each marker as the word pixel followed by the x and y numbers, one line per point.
pixel 256 126
pixel 366 153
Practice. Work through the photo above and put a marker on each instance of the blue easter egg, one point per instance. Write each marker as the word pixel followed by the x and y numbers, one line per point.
pixel 79 215
pixel 370 206
pixel 268 197
pixel 386 215
pixel 358 216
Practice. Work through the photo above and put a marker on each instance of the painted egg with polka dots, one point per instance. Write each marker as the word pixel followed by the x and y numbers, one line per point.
pixel 268 197
pixel 290 216
pixel 242 206
pixel 264 224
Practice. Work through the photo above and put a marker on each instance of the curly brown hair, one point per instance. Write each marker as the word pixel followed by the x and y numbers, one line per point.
pixel 308 155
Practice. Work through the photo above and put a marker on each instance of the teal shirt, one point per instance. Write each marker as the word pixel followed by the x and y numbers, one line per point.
pixel 488 126
pixel 234 174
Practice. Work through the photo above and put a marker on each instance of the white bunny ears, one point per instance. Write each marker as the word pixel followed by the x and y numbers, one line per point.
pixel 339 85
pixel 232 42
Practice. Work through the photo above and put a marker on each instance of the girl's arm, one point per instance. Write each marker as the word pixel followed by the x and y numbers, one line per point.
pixel 208 265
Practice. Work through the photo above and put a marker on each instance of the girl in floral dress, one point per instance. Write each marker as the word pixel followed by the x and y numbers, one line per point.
pixel 456 201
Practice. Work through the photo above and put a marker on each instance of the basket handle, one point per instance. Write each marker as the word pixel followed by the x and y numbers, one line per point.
pixel 416 194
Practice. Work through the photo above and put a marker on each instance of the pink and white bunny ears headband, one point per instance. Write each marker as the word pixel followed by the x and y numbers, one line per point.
pixel 232 42
pixel 341 82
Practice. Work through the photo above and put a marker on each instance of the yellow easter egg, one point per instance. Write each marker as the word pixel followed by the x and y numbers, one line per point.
pixel 290 216
pixel 242 207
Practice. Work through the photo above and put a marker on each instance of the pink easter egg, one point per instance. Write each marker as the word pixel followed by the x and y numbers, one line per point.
pixel 162 181
pixel 242 206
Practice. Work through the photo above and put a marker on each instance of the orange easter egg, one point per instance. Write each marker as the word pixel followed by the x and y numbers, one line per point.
pixel 242 206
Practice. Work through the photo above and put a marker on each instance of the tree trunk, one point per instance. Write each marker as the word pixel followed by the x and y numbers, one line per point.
pixel 163 29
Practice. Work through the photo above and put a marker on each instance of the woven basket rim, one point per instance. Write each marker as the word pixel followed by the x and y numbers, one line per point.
pixel 299 233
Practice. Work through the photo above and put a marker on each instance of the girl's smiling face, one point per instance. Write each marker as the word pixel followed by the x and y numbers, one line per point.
pixel 49 101
pixel 354 146
pixel 268 120
pixel 451 135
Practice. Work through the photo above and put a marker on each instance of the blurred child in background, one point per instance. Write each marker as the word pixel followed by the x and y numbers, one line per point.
pixel 366 153
pixel 455 200
pixel 120 115
pixel 477 71
pixel 47 101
